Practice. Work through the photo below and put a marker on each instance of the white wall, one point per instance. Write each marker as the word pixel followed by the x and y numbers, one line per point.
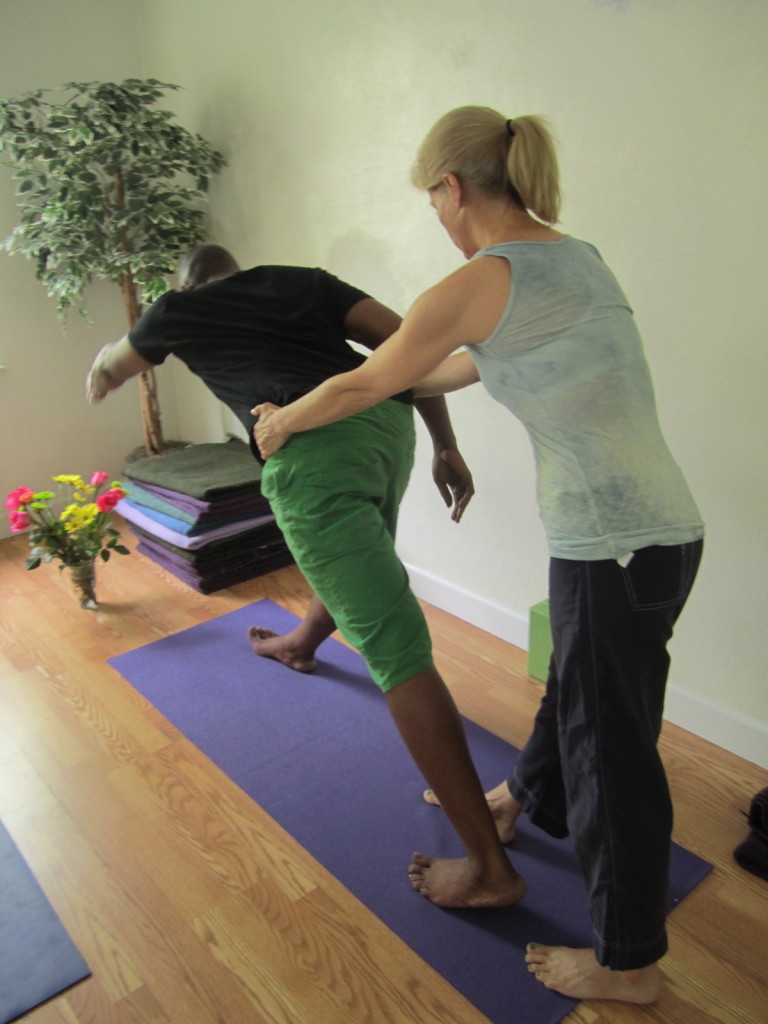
pixel 47 426
pixel 659 108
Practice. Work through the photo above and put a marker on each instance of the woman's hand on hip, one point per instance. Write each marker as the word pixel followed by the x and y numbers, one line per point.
pixel 266 433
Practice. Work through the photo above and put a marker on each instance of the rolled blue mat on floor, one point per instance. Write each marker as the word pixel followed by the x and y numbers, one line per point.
pixel 37 957
pixel 321 755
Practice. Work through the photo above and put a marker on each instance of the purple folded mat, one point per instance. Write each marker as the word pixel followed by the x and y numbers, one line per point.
pixel 134 515
pixel 208 580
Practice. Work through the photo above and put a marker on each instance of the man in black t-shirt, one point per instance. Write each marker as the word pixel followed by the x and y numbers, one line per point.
pixel 271 334
pixel 268 334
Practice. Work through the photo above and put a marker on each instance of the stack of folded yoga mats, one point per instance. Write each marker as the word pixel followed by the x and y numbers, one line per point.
pixel 199 513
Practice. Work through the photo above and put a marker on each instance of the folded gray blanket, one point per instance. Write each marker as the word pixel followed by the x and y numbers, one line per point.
pixel 205 471
pixel 752 854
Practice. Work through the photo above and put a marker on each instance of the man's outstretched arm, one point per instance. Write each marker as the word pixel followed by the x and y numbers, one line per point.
pixel 113 366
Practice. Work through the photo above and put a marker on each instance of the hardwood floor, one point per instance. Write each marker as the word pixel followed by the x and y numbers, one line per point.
pixel 193 907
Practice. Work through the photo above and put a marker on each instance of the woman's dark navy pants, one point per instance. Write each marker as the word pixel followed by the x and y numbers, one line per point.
pixel 591 768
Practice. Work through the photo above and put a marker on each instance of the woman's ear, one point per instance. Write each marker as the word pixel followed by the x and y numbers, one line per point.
pixel 453 188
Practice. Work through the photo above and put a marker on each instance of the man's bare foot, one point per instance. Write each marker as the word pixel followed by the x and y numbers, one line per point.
pixel 267 644
pixel 576 973
pixel 504 808
pixel 454 883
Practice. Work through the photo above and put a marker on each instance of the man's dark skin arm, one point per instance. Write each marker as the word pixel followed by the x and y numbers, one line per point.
pixel 370 323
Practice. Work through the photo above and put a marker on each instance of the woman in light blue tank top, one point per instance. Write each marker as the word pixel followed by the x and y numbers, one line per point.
pixel 544 325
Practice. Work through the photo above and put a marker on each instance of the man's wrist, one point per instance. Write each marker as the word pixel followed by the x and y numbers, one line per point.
pixel 106 379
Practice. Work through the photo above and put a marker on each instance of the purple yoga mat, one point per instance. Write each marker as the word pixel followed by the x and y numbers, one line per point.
pixel 321 755
pixel 37 957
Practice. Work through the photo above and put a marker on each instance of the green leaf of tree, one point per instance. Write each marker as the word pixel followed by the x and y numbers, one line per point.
pixel 103 178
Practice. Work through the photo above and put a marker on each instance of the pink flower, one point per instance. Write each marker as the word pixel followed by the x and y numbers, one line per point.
pixel 21 496
pixel 98 478
pixel 19 521
pixel 106 502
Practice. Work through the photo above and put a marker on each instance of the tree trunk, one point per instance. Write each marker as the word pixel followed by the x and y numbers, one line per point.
pixel 150 407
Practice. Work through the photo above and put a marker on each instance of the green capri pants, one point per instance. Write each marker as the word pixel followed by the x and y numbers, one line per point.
pixel 335 492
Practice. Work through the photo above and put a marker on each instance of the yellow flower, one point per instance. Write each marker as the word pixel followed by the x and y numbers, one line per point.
pixel 70 478
pixel 80 517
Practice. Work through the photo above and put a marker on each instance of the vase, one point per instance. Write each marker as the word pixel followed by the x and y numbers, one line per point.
pixel 83 578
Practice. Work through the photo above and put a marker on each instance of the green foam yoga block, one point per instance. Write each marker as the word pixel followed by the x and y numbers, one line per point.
pixel 539 641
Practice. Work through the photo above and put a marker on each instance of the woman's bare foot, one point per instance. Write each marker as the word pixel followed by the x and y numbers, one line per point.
pixel 576 973
pixel 455 883
pixel 504 808
pixel 267 644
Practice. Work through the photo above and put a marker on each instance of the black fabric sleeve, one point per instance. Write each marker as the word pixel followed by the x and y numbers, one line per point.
pixel 147 335
pixel 340 296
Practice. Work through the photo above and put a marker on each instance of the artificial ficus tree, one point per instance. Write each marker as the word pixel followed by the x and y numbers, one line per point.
pixel 109 187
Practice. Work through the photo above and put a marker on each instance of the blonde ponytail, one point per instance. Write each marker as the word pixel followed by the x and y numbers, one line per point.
pixel 532 167
pixel 500 157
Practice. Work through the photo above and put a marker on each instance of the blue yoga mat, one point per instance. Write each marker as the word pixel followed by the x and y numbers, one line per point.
pixel 37 957
pixel 321 755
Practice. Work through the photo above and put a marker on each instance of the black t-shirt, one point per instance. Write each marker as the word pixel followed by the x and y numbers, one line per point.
pixel 270 334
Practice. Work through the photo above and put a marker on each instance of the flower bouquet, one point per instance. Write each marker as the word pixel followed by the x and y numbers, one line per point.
pixel 77 535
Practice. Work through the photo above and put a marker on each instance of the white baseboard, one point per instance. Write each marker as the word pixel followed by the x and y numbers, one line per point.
pixel 727 729
pixel 493 618
pixel 742 736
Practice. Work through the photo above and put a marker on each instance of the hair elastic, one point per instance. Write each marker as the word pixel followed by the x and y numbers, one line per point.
pixel 510 129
